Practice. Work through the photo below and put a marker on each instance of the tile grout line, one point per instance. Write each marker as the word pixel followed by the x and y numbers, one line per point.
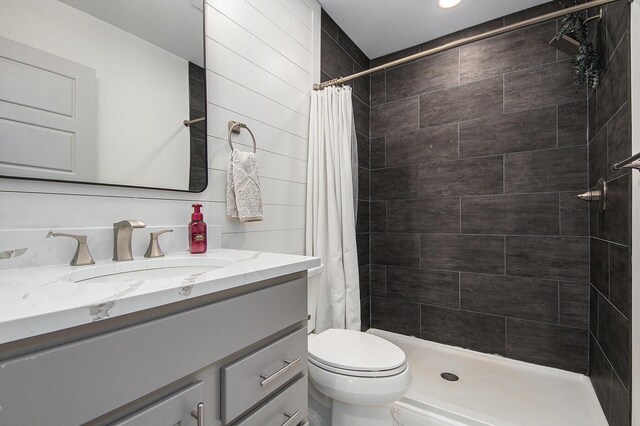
pixel 504 94
pixel 385 86
pixel 506 336
pixel 489 314
pixel 609 273
pixel 609 302
pixel 607 359
pixel 482 78
pixel 335 40
pixel 459 67
pixel 559 214
pixel 386 286
pixel 437 196
pixel 420 251
pixel 557 126
pixel 559 303
pixel 486 274
pixel 459 291
pixel 505 254
pixel 370 207
pixel 489 236
pixel 504 174
pixel 610 390
pixel 475 157
pixel 460 214
pixel 458 125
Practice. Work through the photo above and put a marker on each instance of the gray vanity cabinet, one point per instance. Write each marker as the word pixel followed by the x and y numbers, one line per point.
pixel 157 371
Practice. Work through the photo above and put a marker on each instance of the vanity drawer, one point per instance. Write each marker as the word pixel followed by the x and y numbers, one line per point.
pixel 287 408
pixel 251 379
pixel 175 409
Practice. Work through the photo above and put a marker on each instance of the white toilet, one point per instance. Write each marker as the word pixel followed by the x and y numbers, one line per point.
pixel 353 376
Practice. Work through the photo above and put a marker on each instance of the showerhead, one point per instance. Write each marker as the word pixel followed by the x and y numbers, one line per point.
pixel 565 44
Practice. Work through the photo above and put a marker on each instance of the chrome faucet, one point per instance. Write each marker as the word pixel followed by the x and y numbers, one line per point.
pixel 122 232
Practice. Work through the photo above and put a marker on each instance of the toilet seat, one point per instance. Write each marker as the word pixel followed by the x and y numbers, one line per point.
pixel 358 373
pixel 354 353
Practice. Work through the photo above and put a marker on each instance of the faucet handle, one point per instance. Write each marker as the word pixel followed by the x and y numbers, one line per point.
pixel 82 256
pixel 154 249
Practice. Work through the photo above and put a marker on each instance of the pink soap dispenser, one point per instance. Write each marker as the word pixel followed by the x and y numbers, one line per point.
pixel 197 231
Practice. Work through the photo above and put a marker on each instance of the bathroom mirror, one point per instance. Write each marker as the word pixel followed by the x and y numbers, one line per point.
pixel 98 91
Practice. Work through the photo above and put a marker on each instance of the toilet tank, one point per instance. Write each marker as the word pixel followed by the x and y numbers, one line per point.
pixel 313 275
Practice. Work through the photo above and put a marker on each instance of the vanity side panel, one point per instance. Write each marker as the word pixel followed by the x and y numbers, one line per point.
pixel 75 383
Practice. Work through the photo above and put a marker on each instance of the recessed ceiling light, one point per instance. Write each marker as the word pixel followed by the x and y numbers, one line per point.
pixel 448 4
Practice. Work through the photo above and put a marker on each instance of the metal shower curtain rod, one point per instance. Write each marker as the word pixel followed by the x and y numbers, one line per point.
pixel 467 40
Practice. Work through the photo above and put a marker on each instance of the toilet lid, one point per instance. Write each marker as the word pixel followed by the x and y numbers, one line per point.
pixel 355 351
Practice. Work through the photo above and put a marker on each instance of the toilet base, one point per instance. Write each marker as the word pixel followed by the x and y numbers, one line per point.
pixel 360 415
pixel 325 412
pixel 319 407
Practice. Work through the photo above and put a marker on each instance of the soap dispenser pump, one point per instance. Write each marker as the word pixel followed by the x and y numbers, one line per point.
pixel 197 231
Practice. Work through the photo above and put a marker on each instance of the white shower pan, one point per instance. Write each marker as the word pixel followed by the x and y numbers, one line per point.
pixel 492 390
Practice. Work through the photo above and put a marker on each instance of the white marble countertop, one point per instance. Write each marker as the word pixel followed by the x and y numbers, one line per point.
pixel 39 300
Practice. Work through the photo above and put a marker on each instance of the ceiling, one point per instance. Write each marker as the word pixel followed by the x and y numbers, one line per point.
pixel 380 27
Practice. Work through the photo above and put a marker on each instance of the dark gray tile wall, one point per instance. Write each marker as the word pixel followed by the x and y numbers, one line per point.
pixel 477 240
pixel 340 56
pixel 521 119
pixel 609 142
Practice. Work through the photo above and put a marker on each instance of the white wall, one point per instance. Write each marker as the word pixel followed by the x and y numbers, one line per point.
pixel 635 214
pixel 133 78
pixel 262 58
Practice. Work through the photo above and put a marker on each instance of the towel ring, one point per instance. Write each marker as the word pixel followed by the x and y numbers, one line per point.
pixel 232 129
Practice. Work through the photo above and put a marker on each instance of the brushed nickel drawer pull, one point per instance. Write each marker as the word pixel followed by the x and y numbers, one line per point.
pixel 291 418
pixel 268 379
pixel 199 414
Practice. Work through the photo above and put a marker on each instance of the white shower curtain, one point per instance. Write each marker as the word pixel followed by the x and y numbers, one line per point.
pixel 331 207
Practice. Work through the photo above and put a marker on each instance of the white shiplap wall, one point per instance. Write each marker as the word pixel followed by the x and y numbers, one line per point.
pixel 262 58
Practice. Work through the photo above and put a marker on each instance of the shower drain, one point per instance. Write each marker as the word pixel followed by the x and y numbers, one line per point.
pixel 450 377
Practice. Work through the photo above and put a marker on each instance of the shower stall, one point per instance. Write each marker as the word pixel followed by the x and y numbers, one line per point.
pixel 473 149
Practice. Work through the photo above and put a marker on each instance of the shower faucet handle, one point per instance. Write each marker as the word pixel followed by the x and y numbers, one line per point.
pixel 599 194
pixel 82 256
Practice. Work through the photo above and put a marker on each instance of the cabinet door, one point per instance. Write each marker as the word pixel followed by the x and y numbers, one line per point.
pixel 174 410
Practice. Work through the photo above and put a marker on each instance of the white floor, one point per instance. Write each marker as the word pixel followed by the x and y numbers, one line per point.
pixel 492 390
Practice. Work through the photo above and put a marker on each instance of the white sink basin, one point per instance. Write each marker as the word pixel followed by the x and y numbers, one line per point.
pixel 146 269
pixel 94 284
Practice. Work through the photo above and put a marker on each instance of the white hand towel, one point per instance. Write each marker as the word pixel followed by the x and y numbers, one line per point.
pixel 244 196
